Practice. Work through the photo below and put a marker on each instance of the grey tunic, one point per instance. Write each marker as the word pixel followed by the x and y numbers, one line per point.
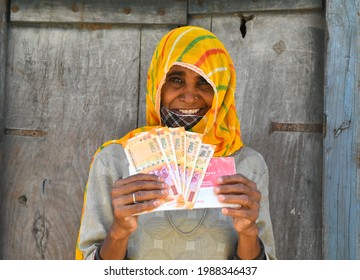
pixel 155 237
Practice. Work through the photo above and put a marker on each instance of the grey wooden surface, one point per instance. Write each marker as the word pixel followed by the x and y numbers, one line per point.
pixel 3 44
pixel 284 87
pixel 69 89
pixel 231 6
pixel 94 11
pixel 342 141
pixel 80 88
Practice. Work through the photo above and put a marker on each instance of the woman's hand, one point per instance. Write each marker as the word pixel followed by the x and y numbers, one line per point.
pixel 130 196
pixel 237 189
pixel 133 195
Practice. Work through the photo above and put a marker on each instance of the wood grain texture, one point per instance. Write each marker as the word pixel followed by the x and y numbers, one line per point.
pixel 3 46
pixel 279 79
pixel 342 142
pixel 231 6
pixel 105 11
pixel 81 88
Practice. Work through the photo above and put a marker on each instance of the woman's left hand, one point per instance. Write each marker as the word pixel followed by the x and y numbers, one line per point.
pixel 237 189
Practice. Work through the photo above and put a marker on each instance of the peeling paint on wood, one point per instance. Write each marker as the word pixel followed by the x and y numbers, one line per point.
pixel 341 202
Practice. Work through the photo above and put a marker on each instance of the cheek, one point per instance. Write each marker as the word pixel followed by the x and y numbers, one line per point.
pixel 164 98
pixel 168 95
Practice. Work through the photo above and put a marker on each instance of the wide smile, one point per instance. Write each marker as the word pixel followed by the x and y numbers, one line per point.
pixel 189 111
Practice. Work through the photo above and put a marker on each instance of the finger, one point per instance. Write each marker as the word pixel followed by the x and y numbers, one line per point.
pixel 245 214
pixel 141 196
pixel 233 188
pixel 244 201
pixel 236 178
pixel 125 211
pixel 238 189
pixel 137 186
pixel 138 177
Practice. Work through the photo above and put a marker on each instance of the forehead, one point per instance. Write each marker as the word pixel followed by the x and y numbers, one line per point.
pixel 183 71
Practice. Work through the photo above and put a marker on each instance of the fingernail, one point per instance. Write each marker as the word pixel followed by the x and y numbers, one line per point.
pixel 221 197
pixel 216 190
pixel 220 180
pixel 165 186
pixel 224 211
pixel 157 203
pixel 165 192
pixel 160 179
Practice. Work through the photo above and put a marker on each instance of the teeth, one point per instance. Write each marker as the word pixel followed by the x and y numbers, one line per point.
pixel 189 112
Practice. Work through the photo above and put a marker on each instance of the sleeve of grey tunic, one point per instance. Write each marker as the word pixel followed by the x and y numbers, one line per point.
pixel 111 164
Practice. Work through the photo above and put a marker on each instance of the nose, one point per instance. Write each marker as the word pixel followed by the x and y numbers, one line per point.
pixel 189 94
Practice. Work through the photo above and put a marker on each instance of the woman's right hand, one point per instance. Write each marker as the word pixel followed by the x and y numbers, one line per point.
pixel 133 195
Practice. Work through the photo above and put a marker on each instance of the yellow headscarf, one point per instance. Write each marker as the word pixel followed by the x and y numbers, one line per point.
pixel 201 51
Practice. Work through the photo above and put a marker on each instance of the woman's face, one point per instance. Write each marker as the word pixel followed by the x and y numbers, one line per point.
pixel 186 92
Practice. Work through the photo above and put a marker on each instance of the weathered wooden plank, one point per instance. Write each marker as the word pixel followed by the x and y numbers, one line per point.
pixel 79 87
pixel 200 20
pixel 94 11
pixel 3 45
pixel 76 87
pixel 231 6
pixel 342 141
pixel 280 80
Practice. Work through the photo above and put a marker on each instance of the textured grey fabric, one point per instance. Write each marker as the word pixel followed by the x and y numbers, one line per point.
pixel 155 238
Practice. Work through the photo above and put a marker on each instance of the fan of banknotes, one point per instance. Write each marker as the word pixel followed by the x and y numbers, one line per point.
pixel 182 160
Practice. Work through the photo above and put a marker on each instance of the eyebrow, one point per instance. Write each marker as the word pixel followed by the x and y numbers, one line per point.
pixel 176 73
pixel 182 73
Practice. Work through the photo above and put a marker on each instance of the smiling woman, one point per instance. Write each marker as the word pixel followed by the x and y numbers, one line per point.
pixel 186 92
pixel 191 83
pixel 186 97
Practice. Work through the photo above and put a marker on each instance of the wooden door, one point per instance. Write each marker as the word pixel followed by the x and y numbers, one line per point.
pixel 75 78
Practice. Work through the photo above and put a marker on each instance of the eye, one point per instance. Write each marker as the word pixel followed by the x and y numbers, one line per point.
pixel 203 82
pixel 176 80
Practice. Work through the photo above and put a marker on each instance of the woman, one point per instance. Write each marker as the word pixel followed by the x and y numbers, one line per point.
pixel 191 83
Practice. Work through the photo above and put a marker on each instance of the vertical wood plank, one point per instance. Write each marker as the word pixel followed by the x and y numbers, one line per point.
pixel 341 174
pixel 3 45
pixel 80 87
pixel 279 66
